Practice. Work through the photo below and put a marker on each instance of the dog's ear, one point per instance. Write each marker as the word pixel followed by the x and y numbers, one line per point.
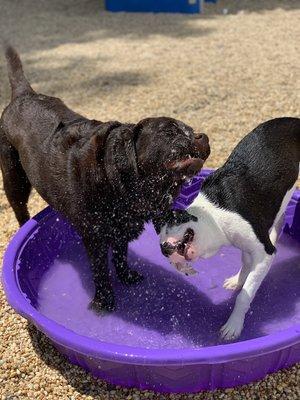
pixel 94 150
pixel 121 161
pixel 130 136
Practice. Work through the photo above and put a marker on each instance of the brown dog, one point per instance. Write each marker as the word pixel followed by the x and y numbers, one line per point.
pixel 107 178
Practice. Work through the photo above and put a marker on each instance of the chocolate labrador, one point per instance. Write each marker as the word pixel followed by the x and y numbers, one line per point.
pixel 106 178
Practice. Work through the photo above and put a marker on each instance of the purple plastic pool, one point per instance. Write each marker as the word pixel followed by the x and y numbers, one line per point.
pixel 164 333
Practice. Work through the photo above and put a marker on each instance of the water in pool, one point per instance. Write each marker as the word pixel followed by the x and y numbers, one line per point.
pixel 166 310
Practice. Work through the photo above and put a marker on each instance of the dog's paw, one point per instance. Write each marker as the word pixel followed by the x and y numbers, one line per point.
pixel 232 329
pixel 102 305
pixel 232 283
pixel 130 277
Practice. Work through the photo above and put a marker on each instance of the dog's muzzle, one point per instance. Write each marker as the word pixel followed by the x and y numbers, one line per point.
pixel 180 247
pixel 202 145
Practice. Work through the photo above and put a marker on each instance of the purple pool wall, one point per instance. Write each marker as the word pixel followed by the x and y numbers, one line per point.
pixel 164 334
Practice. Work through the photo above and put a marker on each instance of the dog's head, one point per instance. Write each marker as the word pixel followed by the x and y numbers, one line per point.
pixel 178 237
pixel 148 157
pixel 186 237
pixel 166 146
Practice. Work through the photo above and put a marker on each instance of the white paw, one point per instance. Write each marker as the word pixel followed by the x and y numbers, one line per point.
pixel 233 328
pixel 232 283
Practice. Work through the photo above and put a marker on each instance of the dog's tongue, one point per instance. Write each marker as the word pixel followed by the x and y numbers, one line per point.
pixel 176 258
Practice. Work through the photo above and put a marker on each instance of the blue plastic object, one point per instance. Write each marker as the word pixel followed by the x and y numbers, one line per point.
pixel 172 6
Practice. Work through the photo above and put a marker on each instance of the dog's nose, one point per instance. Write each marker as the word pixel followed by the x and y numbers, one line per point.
pixel 202 145
pixel 202 136
pixel 167 249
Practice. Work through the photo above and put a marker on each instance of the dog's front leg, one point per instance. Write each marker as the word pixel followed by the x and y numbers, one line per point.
pixel 98 252
pixel 124 273
pixel 261 265
pixel 237 281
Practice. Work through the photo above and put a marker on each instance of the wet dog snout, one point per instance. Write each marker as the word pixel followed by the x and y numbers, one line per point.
pixel 202 145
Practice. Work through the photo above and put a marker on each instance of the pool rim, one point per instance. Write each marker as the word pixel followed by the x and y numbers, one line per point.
pixel 223 353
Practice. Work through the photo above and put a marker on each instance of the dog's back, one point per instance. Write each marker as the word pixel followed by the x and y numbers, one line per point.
pixel 31 143
pixel 262 168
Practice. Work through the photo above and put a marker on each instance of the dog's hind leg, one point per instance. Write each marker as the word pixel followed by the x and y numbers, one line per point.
pixel 276 229
pixel 279 220
pixel 237 281
pixel 15 182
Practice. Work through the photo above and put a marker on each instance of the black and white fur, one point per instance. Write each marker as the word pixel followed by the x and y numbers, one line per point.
pixel 243 204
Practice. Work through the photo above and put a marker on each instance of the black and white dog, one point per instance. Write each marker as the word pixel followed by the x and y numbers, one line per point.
pixel 241 204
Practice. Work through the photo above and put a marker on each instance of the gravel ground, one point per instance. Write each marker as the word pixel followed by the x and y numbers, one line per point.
pixel 222 72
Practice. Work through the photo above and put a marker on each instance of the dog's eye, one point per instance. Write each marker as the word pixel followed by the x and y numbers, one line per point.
pixel 189 235
pixel 167 249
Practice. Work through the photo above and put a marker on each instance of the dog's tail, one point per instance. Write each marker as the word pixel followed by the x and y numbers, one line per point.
pixel 18 82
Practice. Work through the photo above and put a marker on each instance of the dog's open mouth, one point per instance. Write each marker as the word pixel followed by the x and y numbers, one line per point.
pixel 184 244
pixel 181 247
pixel 185 167
pixel 189 165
